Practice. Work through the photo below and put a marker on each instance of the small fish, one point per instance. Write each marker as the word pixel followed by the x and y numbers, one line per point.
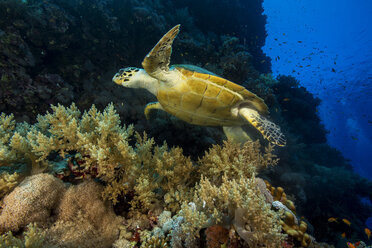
pixel 286 99
pixel 368 232
pixel 333 70
pixel 343 235
pixel 299 41
pixel 350 245
pixel 263 61
pixel 332 219
pixel 347 222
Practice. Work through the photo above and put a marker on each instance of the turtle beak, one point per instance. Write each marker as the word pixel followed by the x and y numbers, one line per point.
pixel 116 78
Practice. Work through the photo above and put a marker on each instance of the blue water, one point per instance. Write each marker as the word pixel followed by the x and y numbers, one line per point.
pixel 327 46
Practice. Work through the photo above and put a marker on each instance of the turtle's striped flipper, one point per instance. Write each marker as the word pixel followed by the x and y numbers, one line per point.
pixel 269 130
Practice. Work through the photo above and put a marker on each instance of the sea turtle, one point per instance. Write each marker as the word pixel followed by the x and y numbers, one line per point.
pixel 198 96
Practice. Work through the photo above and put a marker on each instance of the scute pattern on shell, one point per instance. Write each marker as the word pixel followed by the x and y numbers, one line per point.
pixel 246 95
pixel 205 99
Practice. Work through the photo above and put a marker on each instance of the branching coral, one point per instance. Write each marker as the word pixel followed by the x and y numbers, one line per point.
pixel 160 168
pixel 235 161
pixel 33 238
pixel 97 136
pixel 102 143
pixel 7 183
pixel 235 202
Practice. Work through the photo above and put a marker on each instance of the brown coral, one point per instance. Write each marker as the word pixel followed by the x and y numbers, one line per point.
pixel 84 219
pixel 30 201
pixel 216 236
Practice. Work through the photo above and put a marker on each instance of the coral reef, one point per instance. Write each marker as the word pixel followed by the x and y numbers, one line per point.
pixel 235 161
pixel 33 238
pixel 7 183
pixel 233 202
pixel 72 217
pixel 30 202
pixel 83 219
pixel 148 177
pixel 59 51
pixel 142 180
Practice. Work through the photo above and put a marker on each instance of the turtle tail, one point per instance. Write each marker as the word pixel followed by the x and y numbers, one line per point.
pixel 269 130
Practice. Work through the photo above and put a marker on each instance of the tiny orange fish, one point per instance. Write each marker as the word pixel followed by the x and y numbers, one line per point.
pixel 368 232
pixel 347 222
pixel 286 99
pixel 332 219
pixel 350 245
pixel 343 235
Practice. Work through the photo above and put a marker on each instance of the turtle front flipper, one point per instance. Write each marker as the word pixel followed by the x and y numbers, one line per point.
pixel 150 106
pixel 236 134
pixel 269 130
pixel 156 63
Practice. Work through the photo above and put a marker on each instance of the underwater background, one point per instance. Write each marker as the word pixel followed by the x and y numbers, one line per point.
pixel 71 178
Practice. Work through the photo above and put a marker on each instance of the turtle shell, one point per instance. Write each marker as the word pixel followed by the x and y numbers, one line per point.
pixel 206 99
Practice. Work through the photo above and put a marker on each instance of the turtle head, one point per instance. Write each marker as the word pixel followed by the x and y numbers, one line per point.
pixel 129 77
pixel 132 77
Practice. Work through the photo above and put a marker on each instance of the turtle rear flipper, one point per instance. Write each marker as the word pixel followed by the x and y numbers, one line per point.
pixel 269 130
pixel 156 63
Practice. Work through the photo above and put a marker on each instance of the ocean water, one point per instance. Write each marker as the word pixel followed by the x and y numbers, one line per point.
pixel 309 61
pixel 327 45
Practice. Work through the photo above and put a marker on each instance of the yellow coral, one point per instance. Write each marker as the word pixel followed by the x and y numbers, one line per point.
pixel 7 183
pixel 235 161
pixel 289 221
pixel 33 238
pixel 235 202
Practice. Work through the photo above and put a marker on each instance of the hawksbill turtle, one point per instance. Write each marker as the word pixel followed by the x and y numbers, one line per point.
pixel 198 96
